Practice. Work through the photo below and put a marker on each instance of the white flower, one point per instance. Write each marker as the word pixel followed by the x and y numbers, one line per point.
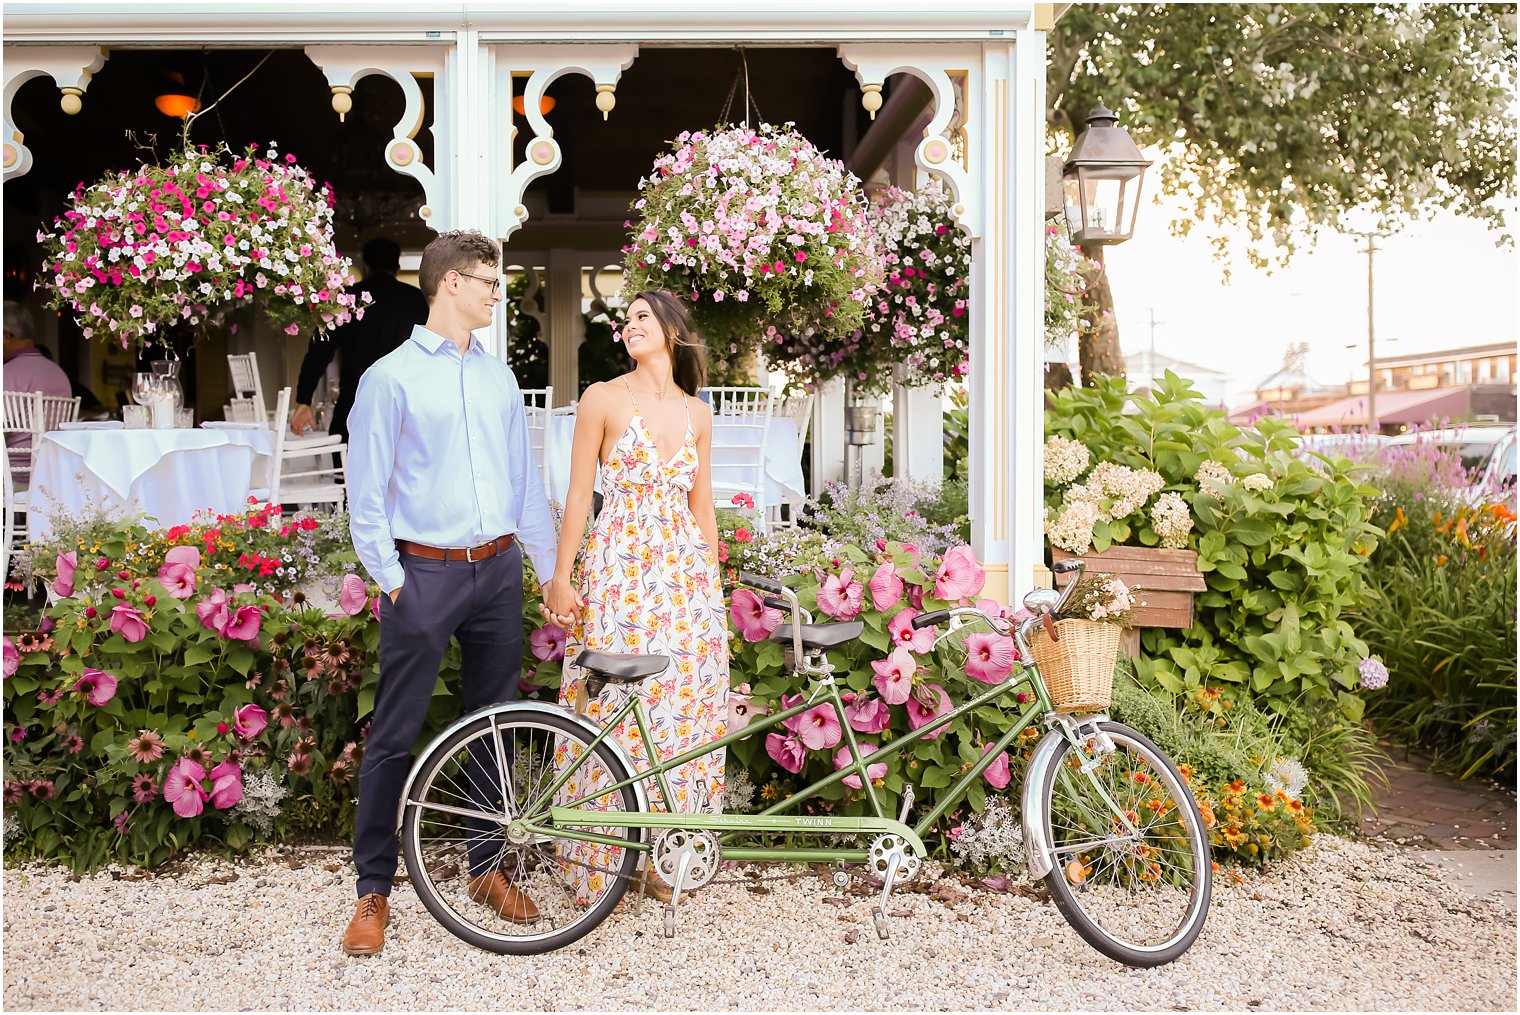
pixel 1212 477
pixel 1172 520
pixel 1257 481
pixel 1288 775
pixel 1073 530
pixel 1065 460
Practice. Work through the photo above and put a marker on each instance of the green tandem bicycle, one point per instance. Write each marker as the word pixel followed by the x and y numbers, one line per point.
pixel 1109 823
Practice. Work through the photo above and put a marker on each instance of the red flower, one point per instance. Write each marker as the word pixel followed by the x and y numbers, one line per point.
pixel 743 535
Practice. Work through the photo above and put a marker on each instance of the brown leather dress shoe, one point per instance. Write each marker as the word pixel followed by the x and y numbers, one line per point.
pixel 492 889
pixel 366 931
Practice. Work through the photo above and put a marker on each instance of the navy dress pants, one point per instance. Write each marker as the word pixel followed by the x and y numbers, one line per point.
pixel 481 605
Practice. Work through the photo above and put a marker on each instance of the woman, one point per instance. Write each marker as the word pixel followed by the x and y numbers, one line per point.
pixel 649 577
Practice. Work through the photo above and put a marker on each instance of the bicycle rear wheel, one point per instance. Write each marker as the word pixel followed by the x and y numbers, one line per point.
pixel 1132 871
pixel 472 786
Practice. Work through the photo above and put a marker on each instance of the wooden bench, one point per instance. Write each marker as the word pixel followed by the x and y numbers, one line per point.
pixel 1167 580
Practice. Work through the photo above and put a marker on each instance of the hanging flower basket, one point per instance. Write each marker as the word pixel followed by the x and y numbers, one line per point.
pixel 756 228
pixel 187 242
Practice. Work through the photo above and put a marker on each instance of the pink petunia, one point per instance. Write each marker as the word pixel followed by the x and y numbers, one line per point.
pixel 97 686
pixel 177 579
pixel 920 714
pixel 989 657
pixel 182 788
pixel 213 611
pixel 243 624
pixel 841 595
pixel 63 585
pixel 998 774
pixel 787 752
pixel 226 785
pixel 548 643
pixel 249 721
pixel 959 575
pixel 867 713
pixel 353 596
pixel 886 587
pixel 751 617
pixel 819 727
pixel 873 772
pixel 894 676
pixel 903 635
pixel 742 709
pixel 129 622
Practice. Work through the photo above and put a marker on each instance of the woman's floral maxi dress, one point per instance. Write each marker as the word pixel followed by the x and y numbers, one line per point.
pixel 651 586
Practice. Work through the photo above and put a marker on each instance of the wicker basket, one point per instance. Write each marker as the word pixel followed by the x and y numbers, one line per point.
pixel 1079 668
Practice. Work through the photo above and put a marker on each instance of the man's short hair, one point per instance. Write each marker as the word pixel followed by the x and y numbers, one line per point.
pixel 381 254
pixel 18 321
pixel 455 250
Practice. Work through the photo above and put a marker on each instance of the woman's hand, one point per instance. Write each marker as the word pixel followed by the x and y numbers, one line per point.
pixel 562 604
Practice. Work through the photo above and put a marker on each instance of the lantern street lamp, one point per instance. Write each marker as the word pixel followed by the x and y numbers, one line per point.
pixel 1101 182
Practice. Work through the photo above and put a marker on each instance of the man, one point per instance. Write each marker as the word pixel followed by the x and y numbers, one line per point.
pixel 26 368
pixel 387 322
pixel 443 498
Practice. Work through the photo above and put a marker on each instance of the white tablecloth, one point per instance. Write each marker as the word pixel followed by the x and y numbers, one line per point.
pixel 784 483
pixel 167 475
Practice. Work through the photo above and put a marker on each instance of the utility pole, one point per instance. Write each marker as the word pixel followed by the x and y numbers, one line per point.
pixel 1372 417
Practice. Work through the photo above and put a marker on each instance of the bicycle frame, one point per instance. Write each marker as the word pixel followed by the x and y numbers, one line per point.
pixel 569 815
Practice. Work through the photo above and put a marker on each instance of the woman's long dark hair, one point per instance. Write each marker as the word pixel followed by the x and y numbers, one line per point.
pixel 688 354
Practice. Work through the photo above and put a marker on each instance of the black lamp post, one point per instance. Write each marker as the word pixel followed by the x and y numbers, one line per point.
pixel 1101 182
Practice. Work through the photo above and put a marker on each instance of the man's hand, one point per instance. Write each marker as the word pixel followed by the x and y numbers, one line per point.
pixel 301 420
pixel 394 593
pixel 562 604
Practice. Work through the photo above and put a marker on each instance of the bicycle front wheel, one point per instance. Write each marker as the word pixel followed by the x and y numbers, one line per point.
pixel 470 789
pixel 1132 871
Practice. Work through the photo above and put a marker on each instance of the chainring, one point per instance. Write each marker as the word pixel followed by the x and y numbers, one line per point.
pixel 702 848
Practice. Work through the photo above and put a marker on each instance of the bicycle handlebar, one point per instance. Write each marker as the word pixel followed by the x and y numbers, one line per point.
pixel 759 582
pixel 933 619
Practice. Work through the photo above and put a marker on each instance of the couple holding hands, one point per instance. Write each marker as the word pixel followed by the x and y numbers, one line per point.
pixel 444 500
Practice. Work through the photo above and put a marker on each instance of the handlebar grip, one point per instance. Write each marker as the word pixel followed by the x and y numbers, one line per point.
pixel 777 604
pixel 756 581
pixel 1065 566
pixel 933 619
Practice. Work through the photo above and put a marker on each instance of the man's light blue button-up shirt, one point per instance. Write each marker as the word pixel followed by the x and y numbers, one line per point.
pixel 439 454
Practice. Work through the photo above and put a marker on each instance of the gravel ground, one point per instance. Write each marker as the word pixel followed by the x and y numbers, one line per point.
pixel 1344 925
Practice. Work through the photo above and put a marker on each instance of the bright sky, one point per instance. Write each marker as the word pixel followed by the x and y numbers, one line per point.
pixel 1440 284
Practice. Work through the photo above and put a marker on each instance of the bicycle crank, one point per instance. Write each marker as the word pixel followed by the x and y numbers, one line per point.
pixel 892 861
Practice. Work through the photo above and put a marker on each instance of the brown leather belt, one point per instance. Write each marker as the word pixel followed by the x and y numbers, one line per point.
pixel 469 554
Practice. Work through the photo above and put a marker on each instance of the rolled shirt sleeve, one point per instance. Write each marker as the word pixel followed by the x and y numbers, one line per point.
pixel 535 520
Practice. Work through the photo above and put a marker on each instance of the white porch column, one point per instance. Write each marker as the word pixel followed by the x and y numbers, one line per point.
pixel 918 434
pixel 828 436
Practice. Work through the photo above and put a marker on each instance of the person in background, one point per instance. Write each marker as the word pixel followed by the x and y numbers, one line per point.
pixel 90 407
pixel 388 320
pixel 26 368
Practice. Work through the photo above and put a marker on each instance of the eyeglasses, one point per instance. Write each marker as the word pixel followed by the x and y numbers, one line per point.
pixel 495 282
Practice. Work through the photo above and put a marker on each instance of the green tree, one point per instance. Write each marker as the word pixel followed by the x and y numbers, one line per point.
pixel 1279 119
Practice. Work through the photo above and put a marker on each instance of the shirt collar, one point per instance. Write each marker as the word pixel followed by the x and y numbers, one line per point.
pixel 432 341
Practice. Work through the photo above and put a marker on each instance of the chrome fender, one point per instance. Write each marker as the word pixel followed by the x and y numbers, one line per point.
pixel 1037 847
pixel 543 707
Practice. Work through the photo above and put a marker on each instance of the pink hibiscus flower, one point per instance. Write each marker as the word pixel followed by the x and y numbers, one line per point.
pixel 819 727
pixel 249 721
pixel 998 774
pixel 886 588
pixel 959 575
pixel 751 617
pixel 186 555
pixel 841 595
pixel 12 658
pixel 213 610
pixel 791 701
pixel 901 629
pixel 548 643
pixel 97 686
pixel 787 752
pixel 874 772
pixel 129 622
pixel 63 585
pixel 353 596
pixel 177 579
pixel 920 714
pixel 243 624
pixel 226 785
pixel 742 709
pixel 182 788
pixel 989 657
pixel 866 713
pixel 894 676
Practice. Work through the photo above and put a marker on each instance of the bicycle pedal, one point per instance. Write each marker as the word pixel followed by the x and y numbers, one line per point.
pixel 668 924
pixel 880 920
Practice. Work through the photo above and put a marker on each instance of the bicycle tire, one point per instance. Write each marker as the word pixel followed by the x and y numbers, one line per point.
pixel 1110 892
pixel 438 864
